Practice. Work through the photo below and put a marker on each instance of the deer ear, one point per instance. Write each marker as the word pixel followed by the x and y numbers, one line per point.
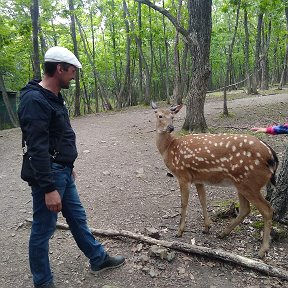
pixel 176 108
pixel 154 105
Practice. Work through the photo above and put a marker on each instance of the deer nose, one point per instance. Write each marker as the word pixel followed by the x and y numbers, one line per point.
pixel 170 128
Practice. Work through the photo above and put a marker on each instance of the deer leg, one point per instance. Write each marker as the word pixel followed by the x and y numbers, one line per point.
pixel 202 197
pixel 184 188
pixel 244 210
pixel 266 211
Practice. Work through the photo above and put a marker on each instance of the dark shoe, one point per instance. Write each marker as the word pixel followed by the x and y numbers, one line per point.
pixel 110 262
pixel 46 285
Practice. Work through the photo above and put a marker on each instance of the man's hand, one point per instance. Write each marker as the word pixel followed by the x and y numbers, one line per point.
pixel 53 201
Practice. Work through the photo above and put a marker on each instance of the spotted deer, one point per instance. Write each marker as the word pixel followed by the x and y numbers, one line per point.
pixel 218 159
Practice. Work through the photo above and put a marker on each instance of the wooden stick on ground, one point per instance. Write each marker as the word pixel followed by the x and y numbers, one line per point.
pixel 193 249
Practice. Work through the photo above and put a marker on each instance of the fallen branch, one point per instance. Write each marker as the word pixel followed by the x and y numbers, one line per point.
pixel 193 249
pixel 230 127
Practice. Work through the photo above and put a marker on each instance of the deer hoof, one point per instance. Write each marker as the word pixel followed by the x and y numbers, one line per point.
pixel 206 230
pixel 222 235
pixel 262 253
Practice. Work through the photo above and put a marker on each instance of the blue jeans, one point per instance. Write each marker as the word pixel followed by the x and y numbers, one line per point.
pixel 44 225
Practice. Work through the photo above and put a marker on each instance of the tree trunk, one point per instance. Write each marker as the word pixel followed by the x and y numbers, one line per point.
pixel 198 38
pixel 127 77
pixel 103 93
pixel 229 61
pixel 166 60
pixel 255 77
pixel 77 111
pixel 142 60
pixel 284 71
pixel 200 26
pixel 274 71
pixel 178 85
pixel 264 57
pixel 114 45
pixel 279 195
pixel 246 52
pixel 35 31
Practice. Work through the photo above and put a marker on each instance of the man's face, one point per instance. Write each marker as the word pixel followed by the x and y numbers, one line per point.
pixel 66 76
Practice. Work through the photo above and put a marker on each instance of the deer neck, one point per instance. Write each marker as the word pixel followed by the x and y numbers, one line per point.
pixel 163 141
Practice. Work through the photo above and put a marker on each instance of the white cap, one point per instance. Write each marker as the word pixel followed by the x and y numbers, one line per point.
pixel 61 54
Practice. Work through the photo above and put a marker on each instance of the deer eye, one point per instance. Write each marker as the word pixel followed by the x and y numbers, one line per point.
pixel 160 116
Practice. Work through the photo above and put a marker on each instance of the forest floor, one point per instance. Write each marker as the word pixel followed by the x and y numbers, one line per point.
pixel 123 185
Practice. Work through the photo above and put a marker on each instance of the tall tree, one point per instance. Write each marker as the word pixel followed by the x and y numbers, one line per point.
pixel 229 60
pixel 198 38
pixel 285 61
pixel 178 85
pixel 246 52
pixel 255 76
pixel 278 196
pixel 77 110
pixel 167 68
pixel 127 81
pixel 34 9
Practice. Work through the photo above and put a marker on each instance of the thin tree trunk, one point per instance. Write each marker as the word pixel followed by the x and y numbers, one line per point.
pixel 229 61
pixel 264 58
pixel 284 71
pixel 255 76
pixel 274 70
pixel 35 32
pixel 178 85
pixel 103 93
pixel 184 73
pixel 127 77
pixel 166 60
pixel 93 61
pixel 114 45
pixel 77 111
pixel 246 52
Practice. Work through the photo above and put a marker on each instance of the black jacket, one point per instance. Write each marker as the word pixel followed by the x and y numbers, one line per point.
pixel 46 127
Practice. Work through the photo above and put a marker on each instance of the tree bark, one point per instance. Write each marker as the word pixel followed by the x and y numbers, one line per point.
pixel 103 93
pixel 279 195
pixel 35 32
pixel 264 57
pixel 285 61
pixel 246 52
pixel 77 111
pixel 200 26
pixel 178 84
pixel 198 38
pixel 255 77
pixel 229 62
pixel 126 84
pixel 166 60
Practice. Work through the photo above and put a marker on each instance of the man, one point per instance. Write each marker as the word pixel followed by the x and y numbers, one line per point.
pixel 52 151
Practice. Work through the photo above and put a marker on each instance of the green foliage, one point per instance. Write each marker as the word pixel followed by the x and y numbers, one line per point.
pixel 109 30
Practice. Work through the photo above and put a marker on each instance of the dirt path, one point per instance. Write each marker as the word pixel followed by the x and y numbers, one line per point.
pixel 123 185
